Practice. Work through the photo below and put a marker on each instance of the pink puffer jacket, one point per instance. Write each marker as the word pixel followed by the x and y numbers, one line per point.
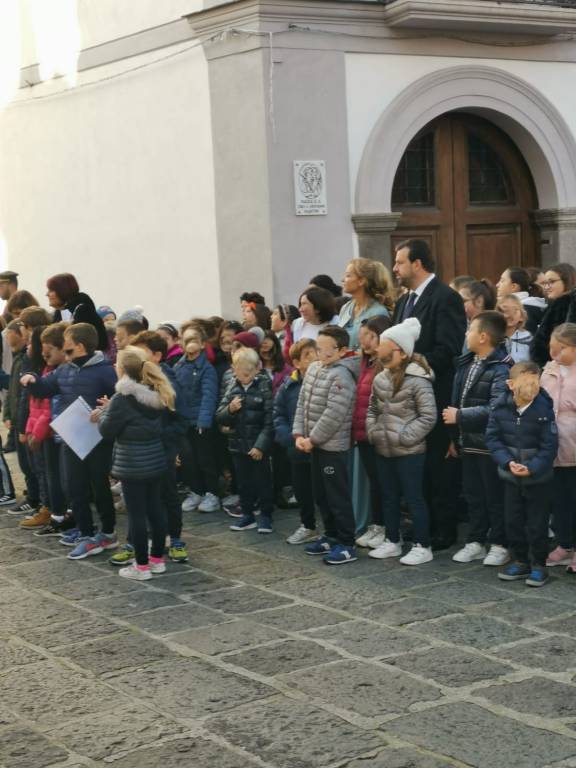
pixel 562 390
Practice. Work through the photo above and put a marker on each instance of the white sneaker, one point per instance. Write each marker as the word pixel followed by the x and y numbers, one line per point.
pixel 470 552
pixel 379 537
pixel 209 503
pixel 496 556
pixel 116 489
pixel 157 567
pixel 386 549
pixel 135 574
pixel 191 502
pixel 371 532
pixel 302 535
pixel 417 555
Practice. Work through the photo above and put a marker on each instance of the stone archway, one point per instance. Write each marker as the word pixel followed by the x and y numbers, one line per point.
pixel 534 124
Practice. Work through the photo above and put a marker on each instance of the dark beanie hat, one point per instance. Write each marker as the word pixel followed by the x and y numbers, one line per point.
pixel 326 282
pixel 248 339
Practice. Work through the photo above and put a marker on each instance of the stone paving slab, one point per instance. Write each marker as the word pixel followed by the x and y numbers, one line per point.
pixel 185 753
pixel 461 593
pixel 107 585
pixel 361 638
pixel 286 656
pixel 344 595
pixel 21 747
pixel 15 654
pixel 68 632
pixel 475 631
pixel 289 734
pixel 400 758
pixel 451 666
pixel 407 610
pixel 565 626
pixel 240 600
pixel 480 738
pixel 57 570
pixel 164 621
pixel 524 610
pixel 536 696
pixel 190 688
pixel 122 606
pixel 38 611
pixel 405 579
pixel 295 618
pixel 193 582
pixel 14 554
pixel 223 638
pixel 117 730
pixel 554 654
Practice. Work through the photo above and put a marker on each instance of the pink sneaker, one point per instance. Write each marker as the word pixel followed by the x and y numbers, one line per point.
pixel 572 566
pixel 560 556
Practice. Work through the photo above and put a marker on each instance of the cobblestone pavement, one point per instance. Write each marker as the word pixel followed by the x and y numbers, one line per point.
pixel 256 655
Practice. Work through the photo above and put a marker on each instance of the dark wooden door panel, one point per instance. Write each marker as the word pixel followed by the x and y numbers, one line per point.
pixel 491 249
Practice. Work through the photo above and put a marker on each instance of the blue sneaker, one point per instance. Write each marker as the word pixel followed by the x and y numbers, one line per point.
pixel 515 572
pixel 339 555
pixel 265 524
pixel 107 541
pixel 86 546
pixel 319 547
pixel 538 576
pixel 70 538
pixel 246 523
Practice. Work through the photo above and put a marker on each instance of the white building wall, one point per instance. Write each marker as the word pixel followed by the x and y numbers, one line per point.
pixel 114 182
pixel 374 80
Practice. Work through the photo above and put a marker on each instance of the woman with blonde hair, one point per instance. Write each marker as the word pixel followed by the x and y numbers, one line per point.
pixel 134 418
pixel 370 287
pixel 517 337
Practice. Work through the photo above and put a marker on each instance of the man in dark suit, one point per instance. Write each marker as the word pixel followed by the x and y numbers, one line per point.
pixel 441 314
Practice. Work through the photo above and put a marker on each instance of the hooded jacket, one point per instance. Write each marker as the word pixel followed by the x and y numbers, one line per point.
pixel 198 385
pixel 488 385
pixel 530 438
pixel 326 403
pixel 285 404
pixel 397 423
pixel 562 389
pixel 363 392
pixel 134 420
pixel 251 426
pixel 92 380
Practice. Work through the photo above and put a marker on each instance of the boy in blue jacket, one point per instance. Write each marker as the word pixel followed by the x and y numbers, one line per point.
pixel 90 375
pixel 302 353
pixel 198 384
pixel 523 440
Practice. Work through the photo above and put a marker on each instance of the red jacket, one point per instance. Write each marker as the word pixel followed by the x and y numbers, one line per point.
pixel 363 392
pixel 40 415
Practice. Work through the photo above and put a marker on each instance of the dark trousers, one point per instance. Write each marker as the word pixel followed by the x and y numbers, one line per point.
pixel 442 483
pixel 526 512
pixel 564 506
pixel 145 514
pixel 304 492
pixel 6 484
pixel 402 476
pixel 330 480
pixel 254 480
pixel 32 487
pixel 87 480
pixel 200 461
pixel 170 499
pixel 368 459
pixel 56 497
pixel 38 465
pixel 484 493
pixel 280 470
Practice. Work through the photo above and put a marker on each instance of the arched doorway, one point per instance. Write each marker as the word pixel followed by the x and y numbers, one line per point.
pixel 463 186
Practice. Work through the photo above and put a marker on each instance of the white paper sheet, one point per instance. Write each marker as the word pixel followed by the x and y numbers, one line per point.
pixel 75 428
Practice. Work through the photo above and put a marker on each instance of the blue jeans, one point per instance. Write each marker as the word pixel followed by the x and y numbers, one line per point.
pixel 403 476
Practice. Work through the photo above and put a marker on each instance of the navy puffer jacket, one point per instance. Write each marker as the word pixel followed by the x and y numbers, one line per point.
pixel 134 420
pixel 198 384
pixel 530 438
pixel 488 386
pixel 285 404
pixel 252 426
pixel 92 380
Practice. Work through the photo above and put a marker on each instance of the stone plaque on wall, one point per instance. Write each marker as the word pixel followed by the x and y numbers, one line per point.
pixel 310 188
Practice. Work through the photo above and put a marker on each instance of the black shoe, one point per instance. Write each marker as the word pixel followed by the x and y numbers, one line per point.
pixel 442 542
pixel 56 529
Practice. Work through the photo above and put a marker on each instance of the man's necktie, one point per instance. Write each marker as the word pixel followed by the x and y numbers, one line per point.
pixel 408 306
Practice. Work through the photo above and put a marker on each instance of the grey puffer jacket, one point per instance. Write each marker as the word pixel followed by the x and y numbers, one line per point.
pixel 326 404
pixel 397 424
pixel 134 420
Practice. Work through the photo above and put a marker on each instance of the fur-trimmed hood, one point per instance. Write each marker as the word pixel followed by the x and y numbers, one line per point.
pixel 140 392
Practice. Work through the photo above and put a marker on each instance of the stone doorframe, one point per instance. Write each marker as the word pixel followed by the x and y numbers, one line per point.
pixel 515 106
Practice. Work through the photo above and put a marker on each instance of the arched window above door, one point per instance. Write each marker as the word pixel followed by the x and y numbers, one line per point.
pixel 414 183
pixel 488 181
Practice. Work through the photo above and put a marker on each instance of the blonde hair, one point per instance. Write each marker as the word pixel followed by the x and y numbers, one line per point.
pixel 378 283
pixel 565 334
pixel 246 356
pixel 517 303
pixel 133 363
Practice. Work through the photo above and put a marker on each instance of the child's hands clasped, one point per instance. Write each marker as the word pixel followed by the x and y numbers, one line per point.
pixel 28 378
pixel 520 470
pixel 450 415
pixel 304 444
pixel 235 404
pixel 256 454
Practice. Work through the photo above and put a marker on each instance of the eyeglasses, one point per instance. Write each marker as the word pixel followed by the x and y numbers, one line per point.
pixel 547 283
pixel 68 352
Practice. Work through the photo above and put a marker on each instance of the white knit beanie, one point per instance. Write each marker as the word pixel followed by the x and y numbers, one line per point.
pixel 405 334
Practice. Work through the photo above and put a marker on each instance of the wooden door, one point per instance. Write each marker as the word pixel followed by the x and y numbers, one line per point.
pixel 464 187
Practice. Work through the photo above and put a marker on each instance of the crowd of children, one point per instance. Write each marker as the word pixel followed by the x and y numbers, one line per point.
pixel 269 409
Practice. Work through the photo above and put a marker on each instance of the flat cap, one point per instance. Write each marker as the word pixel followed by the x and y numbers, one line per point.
pixel 8 276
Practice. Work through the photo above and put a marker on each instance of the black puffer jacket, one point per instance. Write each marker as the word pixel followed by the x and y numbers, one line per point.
pixel 83 310
pixel 253 425
pixel 530 438
pixel 561 310
pixel 488 385
pixel 134 420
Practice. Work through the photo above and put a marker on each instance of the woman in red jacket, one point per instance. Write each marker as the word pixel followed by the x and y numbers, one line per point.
pixel 369 340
